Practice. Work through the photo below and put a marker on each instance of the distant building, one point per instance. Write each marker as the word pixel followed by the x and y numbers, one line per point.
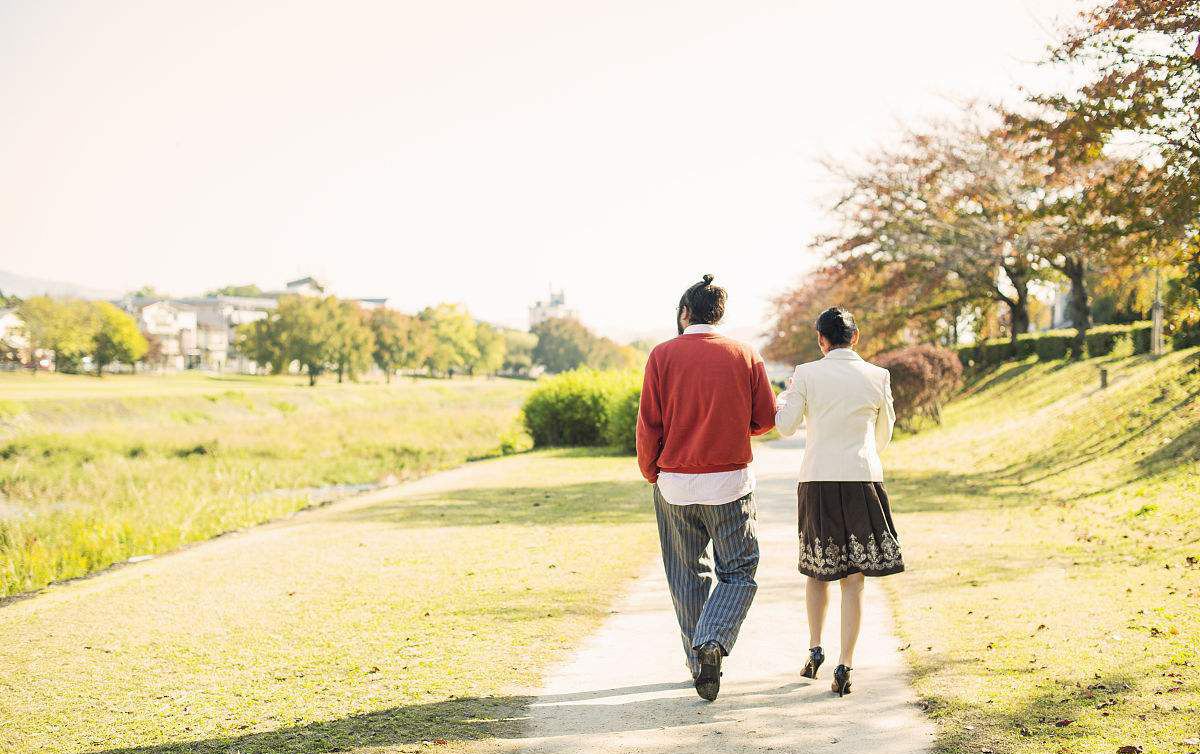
pixel 14 342
pixel 201 332
pixel 553 308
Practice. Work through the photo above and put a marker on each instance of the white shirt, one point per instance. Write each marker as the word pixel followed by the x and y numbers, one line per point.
pixel 846 406
pixel 713 488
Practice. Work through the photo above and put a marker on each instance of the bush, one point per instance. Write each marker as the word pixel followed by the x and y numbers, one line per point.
pixel 1140 333
pixel 923 379
pixel 573 408
pixel 621 431
pixel 1053 345
pixel 1105 339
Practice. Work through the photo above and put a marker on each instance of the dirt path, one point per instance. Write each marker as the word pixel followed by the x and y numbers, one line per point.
pixel 626 688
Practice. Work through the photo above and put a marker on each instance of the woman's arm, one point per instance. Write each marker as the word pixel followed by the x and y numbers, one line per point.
pixel 790 405
pixel 887 415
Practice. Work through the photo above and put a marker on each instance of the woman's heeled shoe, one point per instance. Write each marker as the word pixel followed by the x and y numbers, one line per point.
pixel 841 680
pixel 816 656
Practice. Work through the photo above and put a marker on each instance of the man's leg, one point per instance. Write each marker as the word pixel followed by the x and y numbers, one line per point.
pixel 735 549
pixel 684 541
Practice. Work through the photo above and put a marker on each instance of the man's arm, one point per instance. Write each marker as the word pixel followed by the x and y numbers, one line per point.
pixel 887 415
pixel 649 423
pixel 762 401
pixel 791 404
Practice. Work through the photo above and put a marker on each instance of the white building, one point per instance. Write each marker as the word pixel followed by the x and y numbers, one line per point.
pixel 555 307
pixel 14 342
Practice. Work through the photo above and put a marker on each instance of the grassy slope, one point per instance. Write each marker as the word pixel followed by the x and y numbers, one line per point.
pixel 95 471
pixel 1051 530
pixel 405 619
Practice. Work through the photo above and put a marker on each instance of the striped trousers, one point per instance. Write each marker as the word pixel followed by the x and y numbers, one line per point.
pixel 707 612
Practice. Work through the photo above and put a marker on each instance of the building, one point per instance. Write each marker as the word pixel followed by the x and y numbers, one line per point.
pixel 14 342
pixel 201 332
pixel 553 308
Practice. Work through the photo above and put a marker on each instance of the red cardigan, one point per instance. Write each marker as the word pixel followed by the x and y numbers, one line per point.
pixel 703 396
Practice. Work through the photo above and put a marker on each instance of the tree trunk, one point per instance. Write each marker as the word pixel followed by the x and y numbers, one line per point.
pixel 312 378
pixel 387 376
pixel 1018 309
pixel 1077 304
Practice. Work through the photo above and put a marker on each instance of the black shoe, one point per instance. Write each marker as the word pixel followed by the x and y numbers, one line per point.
pixel 708 681
pixel 841 680
pixel 816 656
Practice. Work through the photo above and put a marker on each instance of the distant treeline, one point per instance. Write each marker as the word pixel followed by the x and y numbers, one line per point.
pixel 316 335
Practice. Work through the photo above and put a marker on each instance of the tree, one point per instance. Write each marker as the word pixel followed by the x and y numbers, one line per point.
pixel 491 347
pixel 563 344
pixel 518 351
pixel 117 339
pixel 246 291
pixel 306 329
pixel 261 341
pixel 352 342
pixel 605 353
pixel 65 326
pixel 148 291
pixel 452 338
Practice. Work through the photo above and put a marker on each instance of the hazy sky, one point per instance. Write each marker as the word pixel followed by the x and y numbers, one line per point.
pixel 467 151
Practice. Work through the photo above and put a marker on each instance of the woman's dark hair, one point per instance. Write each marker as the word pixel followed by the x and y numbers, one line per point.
pixel 705 302
pixel 837 325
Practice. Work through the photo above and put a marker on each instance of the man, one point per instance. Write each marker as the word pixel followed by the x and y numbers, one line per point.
pixel 703 396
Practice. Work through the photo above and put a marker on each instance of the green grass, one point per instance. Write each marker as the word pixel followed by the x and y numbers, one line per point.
pixel 94 471
pixel 372 625
pixel 1051 530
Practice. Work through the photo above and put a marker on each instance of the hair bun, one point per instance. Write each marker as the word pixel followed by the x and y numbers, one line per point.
pixel 707 279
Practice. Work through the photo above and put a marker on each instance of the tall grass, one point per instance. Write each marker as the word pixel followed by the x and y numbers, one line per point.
pixel 91 475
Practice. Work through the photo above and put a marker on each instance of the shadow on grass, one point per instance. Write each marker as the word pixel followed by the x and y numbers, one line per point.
pixel 939 491
pixel 586 503
pixel 452 720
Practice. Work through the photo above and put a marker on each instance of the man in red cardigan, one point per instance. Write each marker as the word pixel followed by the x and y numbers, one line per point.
pixel 703 397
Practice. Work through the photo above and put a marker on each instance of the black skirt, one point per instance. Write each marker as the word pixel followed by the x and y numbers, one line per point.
pixel 845 528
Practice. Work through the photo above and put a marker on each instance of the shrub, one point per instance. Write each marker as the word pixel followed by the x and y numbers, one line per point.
pixel 923 379
pixel 1104 340
pixel 621 431
pixel 1140 333
pixel 572 408
pixel 1053 345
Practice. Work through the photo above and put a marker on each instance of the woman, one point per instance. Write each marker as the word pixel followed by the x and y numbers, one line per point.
pixel 846 530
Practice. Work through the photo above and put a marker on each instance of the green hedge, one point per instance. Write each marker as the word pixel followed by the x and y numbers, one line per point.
pixel 584 407
pixel 1053 345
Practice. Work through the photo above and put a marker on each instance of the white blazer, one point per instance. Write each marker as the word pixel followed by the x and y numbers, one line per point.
pixel 846 405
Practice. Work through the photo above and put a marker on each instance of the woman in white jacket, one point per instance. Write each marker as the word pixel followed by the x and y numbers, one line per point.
pixel 845 524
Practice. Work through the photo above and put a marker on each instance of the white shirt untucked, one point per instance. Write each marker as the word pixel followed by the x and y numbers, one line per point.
pixel 713 488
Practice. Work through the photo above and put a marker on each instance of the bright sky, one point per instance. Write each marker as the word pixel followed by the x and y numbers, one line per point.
pixel 467 151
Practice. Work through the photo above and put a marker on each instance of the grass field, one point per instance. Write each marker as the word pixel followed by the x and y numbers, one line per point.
pixel 1052 532
pixel 378 624
pixel 95 471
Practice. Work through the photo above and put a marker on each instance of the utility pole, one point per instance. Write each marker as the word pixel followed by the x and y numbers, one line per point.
pixel 1156 329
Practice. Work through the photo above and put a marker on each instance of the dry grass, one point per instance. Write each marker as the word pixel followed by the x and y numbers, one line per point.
pixel 94 471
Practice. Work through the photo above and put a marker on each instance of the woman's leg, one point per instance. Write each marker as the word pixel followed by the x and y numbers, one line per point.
pixel 852 592
pixel 816 597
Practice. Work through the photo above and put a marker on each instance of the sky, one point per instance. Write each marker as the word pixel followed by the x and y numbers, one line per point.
pixel 474 152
